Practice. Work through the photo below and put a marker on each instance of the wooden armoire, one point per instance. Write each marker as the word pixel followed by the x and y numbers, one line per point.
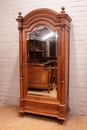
pixel 44 45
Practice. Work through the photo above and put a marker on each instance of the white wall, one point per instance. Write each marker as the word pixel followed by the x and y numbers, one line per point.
pixel 9 48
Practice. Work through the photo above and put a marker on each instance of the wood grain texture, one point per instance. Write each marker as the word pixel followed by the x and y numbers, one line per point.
pixel 59 22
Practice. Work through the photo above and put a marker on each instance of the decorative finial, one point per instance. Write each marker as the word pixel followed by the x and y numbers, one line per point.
pixel 63 8
pixel 19 13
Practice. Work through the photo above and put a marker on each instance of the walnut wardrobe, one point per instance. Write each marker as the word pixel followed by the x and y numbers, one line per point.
pixel 44 44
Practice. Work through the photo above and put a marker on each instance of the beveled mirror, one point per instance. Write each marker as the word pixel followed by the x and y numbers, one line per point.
pixel 42 61
pixel 44 39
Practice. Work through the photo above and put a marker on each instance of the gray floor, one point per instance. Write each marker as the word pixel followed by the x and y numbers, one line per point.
pixel 10 119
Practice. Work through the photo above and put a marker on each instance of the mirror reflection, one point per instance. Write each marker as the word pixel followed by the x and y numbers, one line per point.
pixel 42 62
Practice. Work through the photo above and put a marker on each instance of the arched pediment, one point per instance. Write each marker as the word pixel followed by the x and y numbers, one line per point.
pixel 42 15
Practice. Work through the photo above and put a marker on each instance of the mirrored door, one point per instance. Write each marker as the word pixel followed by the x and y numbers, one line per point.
pixel 41 54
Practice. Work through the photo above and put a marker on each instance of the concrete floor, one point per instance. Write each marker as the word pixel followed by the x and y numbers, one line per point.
pixel 10 119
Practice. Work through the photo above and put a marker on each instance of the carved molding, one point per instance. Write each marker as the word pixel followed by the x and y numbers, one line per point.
pixel 42 16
